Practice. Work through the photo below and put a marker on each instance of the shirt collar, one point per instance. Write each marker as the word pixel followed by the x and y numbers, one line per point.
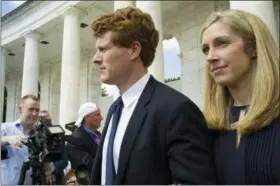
pixel 89 131
pixel 18 124
pixel 134 92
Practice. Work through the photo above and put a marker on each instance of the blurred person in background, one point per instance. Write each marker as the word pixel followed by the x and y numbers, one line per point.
pixel 83 143
pixel 45 114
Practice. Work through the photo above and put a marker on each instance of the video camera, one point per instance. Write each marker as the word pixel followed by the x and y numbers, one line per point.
pixel 46 141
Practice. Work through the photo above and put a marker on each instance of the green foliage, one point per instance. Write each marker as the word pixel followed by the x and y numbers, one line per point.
pixel 168 80
pixel 104 92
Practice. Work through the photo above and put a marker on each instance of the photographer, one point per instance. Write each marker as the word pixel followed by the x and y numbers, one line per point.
pixel 13 135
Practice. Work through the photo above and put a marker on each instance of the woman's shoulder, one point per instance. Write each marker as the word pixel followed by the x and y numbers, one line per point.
pixel 275 124
pixel 276 120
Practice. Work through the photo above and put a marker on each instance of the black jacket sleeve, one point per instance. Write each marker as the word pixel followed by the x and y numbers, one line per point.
pixel 189 146
pixel 62 164
pixel 78 155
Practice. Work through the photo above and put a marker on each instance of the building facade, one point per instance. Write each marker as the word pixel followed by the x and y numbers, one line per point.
pixel 47 49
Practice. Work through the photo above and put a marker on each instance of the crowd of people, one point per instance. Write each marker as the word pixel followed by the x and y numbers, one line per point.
pixel 154 134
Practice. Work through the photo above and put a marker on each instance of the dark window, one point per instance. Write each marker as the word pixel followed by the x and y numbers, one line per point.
pixel 5 105
pixel 39 90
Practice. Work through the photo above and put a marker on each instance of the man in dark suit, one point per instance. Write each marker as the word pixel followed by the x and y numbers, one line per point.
pixel 153 134
pixel 83 143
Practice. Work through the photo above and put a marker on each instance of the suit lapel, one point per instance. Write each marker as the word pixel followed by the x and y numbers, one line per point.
pixel 136 121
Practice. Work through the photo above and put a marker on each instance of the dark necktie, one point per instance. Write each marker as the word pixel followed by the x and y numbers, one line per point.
pixel 97 138
pixel 110 169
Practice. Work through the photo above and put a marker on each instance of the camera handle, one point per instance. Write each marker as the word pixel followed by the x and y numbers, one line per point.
pixel 38 176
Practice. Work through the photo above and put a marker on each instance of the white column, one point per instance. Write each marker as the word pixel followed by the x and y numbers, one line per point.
pixel 154 9
pixel 2 80
pixel 30 75
pixel 122 4
pixel 45 78
pixel 263 9
pixel 70 68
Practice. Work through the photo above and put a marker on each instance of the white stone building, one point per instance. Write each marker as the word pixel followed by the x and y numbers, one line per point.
pixel 50 43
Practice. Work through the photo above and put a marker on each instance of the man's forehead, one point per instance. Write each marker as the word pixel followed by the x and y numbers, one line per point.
pixel 44 113
pixel 97 111
pixel 101 43
pixel 31 102
pixel 104 39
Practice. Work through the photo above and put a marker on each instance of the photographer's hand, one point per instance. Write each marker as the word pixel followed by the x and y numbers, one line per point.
pixel 14 141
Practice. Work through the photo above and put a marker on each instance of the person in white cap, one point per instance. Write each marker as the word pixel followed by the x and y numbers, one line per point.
pixel 83 143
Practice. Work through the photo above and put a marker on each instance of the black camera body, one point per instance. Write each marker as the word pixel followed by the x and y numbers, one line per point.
pixel 46 141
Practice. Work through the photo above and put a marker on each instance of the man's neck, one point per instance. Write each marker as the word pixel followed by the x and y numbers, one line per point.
pixel 132 79
pixel 93 129
pixel 26 128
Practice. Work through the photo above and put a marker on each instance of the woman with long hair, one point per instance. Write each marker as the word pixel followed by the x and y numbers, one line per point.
pixel 241 97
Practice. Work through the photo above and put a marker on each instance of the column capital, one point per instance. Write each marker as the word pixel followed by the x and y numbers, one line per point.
pixel 33 34
pixel 75 11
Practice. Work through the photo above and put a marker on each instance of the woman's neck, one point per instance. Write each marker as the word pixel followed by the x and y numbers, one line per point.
pixel 241 92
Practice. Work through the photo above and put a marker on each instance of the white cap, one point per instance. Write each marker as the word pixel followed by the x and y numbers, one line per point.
pixel 84 110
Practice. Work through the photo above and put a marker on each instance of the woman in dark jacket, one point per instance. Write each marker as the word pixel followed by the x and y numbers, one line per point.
pixel 241 97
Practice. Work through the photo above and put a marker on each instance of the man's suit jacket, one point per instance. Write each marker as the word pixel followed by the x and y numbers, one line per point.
pixel 81 149
pixel 166 142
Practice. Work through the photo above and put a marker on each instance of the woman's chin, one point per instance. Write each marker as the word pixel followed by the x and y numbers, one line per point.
pixel 223 81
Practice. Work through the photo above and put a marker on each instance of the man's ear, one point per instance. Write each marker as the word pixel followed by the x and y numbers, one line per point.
pixel 135 50
pixel 20 108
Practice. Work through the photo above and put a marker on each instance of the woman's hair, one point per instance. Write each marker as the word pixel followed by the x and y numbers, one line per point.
pixel 264 99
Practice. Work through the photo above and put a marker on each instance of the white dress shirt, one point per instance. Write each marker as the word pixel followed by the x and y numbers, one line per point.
pixel 130 99
pixel 11 167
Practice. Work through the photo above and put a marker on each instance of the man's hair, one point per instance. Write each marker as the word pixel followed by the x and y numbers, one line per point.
pixel 44 111
pixel 35 98
pixel 264 104
pixel 129 25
